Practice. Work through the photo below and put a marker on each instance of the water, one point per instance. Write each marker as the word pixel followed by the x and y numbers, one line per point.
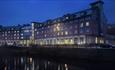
pixel 39 63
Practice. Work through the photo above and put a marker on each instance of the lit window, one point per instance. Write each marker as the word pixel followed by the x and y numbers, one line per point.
pixel 26 30
pixel 61 33
pixel 66 33
pixel 17 37
pixel 14 34
pixel 22 37
pixel 45 35
pixel 5 37
pixel 48 26
pixel 18 31
pixel 32 24
pixel 21 34
pixel 81 25
pixel 37 32
pixel 58 24
pixel 96 40
pixel 87 23
pixel 35 29
pixel 101 41
pixel 58 33
pixel 8 31
pixel 67 17
pixel 58 28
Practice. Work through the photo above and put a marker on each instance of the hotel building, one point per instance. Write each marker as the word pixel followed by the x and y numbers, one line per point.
pixel 84 27
pixel 25 35
pixel 10 35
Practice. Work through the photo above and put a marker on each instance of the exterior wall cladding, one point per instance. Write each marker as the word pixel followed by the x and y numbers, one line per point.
pixel 84 27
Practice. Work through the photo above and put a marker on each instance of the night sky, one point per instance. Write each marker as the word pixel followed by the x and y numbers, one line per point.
pixel 14 12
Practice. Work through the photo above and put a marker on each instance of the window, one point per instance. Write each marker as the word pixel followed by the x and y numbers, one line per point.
pixel 26 30
pixel 8 31
pixel 76 31
pixel 58 34
pixel 87 30
pixel 67 17
pixel 35 29
pixel 87 23
pixel 61 33
pixel 45 35
pixel 58 24
pixel 5 37
pixel 66 33
pixel 48 26
pixel 42 27
pixel 17 37
pixel 81 25
pixel 12 29
pixel 21 34
pixel 58 28
pixel 37 32
pixel 17 31
pixel 14 34
pixel 22 37
pixel 81 30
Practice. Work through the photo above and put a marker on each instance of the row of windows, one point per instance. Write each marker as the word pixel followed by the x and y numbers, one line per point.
pixel 10 32
pixel 11 38
pixel 58 34
pixel 61 26
pixel 68 22
pixel 65 33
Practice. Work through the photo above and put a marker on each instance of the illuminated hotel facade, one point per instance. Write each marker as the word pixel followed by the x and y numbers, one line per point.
pixel 84 27
pixel 10 35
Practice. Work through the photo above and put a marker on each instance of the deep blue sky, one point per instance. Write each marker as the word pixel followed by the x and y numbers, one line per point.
pixel 13 12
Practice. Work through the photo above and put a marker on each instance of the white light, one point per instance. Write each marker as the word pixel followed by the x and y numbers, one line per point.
pixel 87 23
pixel 66 33
pixel 22 37
pixel 67 17
pixel 21 34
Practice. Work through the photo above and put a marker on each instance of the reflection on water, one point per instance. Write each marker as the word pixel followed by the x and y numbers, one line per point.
pixel 35 63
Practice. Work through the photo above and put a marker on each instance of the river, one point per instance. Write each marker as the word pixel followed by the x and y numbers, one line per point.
pixel 42 63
